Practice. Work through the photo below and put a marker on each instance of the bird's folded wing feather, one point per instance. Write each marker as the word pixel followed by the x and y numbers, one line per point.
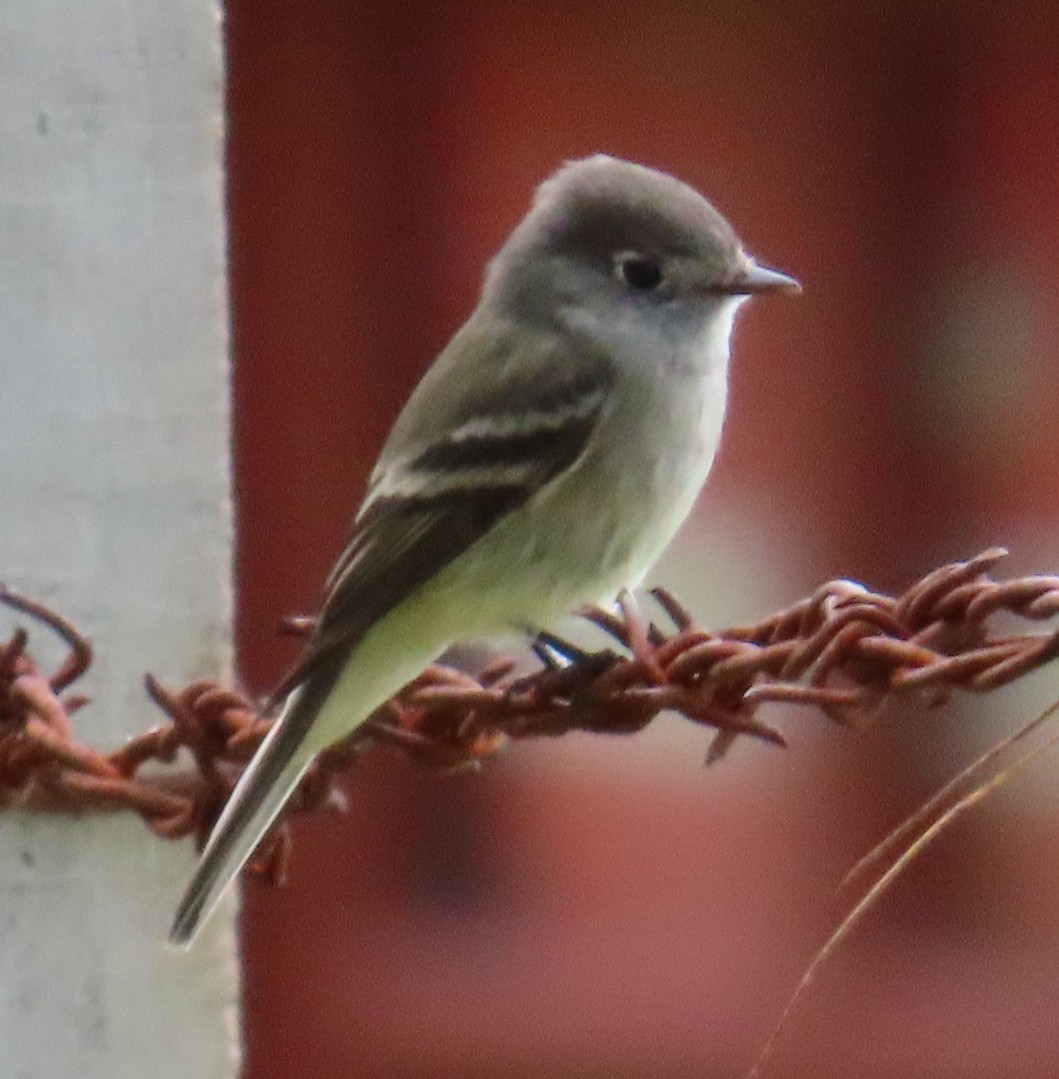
pixel 441 485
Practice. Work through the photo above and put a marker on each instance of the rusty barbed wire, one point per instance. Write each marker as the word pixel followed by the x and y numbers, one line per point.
pixel 845 650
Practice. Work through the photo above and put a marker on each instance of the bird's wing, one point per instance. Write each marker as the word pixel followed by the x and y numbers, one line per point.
pixel 435 494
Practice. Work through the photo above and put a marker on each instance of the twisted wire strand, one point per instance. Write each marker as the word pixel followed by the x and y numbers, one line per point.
pixel 844 650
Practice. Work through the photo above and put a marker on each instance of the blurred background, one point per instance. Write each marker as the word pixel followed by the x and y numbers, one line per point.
pixel 608 908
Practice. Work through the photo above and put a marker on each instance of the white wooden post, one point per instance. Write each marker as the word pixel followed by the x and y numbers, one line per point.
pixel 114 502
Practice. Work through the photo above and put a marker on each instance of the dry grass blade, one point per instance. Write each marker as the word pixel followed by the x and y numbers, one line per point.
pixel 922 836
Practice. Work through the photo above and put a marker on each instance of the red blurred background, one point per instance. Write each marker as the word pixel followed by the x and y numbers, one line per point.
pixel 607 908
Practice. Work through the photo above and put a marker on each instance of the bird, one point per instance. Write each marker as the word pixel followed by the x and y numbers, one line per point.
pixel 544 461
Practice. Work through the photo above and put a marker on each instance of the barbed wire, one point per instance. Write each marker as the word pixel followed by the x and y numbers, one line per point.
pixel 845 650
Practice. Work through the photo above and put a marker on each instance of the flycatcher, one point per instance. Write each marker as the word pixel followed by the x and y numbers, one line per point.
pixel 545 460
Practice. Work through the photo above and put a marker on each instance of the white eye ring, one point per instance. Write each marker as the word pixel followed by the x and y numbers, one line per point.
pixel 640 272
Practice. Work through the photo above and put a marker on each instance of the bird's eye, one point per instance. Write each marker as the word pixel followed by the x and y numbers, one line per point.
pixel 639 272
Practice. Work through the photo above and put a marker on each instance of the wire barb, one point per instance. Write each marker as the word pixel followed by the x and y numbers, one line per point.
pixel 844 650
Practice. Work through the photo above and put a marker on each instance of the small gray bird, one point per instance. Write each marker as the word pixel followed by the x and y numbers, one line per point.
pixel 545 460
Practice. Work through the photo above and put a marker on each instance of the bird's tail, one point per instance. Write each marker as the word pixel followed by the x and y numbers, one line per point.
pixel 260 794
pixel 336 697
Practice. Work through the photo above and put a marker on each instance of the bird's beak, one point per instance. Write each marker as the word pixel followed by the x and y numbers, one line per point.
pixel 754 279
